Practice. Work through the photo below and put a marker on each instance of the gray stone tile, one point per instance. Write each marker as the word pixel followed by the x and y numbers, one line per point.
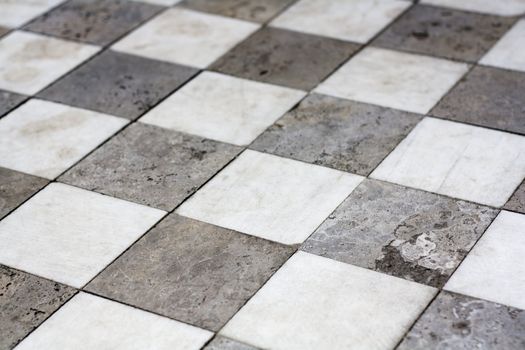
pixel 489 97
pixel 25 302
pixel 337 133
pixel 150 165
pixel 517 200
pixel 455 321
pixel 9 100
pixel 444 32
pixel 118 84
pixel 286 58
pixel 4 31
pixel 223 343
pixel 191 271
pixel 93 21
pixel 403 232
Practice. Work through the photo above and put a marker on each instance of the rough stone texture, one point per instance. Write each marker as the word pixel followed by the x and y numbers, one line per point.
pixel 337 133
pixel 3 30
pixel 118 84
pixel 404 232
pixel 93 21
pixel 222 343
pixel 517 200
pixel 25 302
pixel 286 58
pixel 488 97
pixel 191 271
pixel 150 165
pixel 444 32
pixel 9 100
pixel 455 321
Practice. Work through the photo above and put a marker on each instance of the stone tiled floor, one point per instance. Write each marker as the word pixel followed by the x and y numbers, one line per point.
pixel 262 174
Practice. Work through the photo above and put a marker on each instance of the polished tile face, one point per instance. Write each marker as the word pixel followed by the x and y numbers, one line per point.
pixel 118 84
pixel 286 58
pixel 29 62
pixel 445 33
pixel 17 12
pixel 494 268
pixel 223 108
pixel 508 52
pixel 54 134
pixel 151 166
pixel 271 197
pixel 501 7
pixel 9 100
pixel 408 82
pixel 93 21
pixel 337 133
pixel 353 20
pixel 455 321
pixel 89 322
pixel 192 271
pixel 407 233
pixel 317 303
pixel 223 343
pixel 200 38
pixel 517 201
pixel 25 302
pixel 457 160
pixel 69 235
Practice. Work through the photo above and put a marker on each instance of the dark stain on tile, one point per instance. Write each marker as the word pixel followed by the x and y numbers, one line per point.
pixel 223 343
pixel 9 100
pixel 517 200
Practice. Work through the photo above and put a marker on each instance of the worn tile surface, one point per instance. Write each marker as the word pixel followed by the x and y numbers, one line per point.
pixel 223 343
pixel 17 12
pixel 517 201
pixel 508 53
pixel 501 7
pixel 9 100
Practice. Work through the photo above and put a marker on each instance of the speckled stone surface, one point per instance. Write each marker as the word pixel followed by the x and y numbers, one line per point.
pixel 487 97
pixel 445 33
pixel 223 343
pixel 455 321
pixel 25 302
pixel 191 271
pixel 283 57
pixel 118 84
pixel 403 232
pixel 150 165
pixel 9 100
pixel 337 133
pixel 517 200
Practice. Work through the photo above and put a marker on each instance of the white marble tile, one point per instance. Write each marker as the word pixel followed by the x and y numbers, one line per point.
pixel 509 51
pixel 223 108
pixel 404 81
pixel 89 322
pixel 29 62
pixel 494 269
pixel 318 303
pixel 186 37
pixel 496 7
pixel 271 197
pixel 69 235
pixel 45 138
pixel 14 13
pixel 353 20
pixel 458 160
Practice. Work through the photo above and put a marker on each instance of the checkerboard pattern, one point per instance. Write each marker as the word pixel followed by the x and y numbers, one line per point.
pixel 262 174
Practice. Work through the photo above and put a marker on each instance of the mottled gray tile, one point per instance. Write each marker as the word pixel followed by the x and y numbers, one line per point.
pixel 337 133
pixel 223 343
pixel 150 165
pixel 118 84
pixel 191 271
pixel 4 31
pixel 517 200
pixel 488 97
pixel 412 234
pixel 9 100
pixel 455 321
pixel 25 302
pixel 444 32
pixel 286 58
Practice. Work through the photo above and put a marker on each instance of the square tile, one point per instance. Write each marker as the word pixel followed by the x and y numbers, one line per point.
pixel 353 20
pixel 458 160
pixel 508 52
pixel 17 12
pixel 517 201
pixel 223 108
pixel 223 343
pixel 89 322
pixel 406 233
pixel 9 100
pixel 271 197
pixel 317 303
pixel 191 271
pixel 286 58
pixel 25 302
pixel 444 32
pixel 404 81
pixel 151 166
pixel 93 21
pixel 494 268
pixel 69 235
pixel 55 134
pixel 500 7
pixel 29 62
pixel 118 84
pixel 200 38
pixel 337 133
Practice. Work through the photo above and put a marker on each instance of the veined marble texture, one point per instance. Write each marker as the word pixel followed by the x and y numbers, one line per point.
pixel 508 52
pixel 500 7
pixel 14 13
